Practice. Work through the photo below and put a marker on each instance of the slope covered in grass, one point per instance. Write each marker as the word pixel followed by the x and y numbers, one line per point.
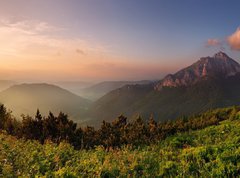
pixel 210 152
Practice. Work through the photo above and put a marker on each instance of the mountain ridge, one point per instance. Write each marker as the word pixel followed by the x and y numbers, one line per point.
pixel 216 88
pixel 220 65
pixel 98 90
pixel 27 98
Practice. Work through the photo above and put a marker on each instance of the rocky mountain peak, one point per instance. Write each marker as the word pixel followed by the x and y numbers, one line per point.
pixel 221 55
pixel 220 65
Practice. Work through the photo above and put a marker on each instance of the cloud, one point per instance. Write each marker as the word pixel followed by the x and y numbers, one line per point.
pixel 234 40
pixel 29 27
pixel 34 39
pixel 36 50
pixel 39 48
pixel 213 42
pixel 80 51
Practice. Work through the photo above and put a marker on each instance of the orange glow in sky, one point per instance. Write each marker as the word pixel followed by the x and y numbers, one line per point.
pixel 27 51
pixel 51 40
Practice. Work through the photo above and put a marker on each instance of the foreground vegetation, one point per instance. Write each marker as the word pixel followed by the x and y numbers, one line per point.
pixel 110 135
pixel 210 151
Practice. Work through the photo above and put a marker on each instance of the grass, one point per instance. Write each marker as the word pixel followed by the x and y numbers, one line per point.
pixel 210 152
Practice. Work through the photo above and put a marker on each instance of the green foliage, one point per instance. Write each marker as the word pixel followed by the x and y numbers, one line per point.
pixel 205 145
pixel 112 135
pixel 181 141
pixel 210 152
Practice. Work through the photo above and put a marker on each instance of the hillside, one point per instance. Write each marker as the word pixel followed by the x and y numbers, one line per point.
pixel 98 90
pixel 211 82
pixel 4 84
pixel 210 152
pixel 73 86
pixel 27 98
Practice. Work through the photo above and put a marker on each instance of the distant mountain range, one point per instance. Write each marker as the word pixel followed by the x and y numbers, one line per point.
pixel 4 84
pixel 27 98
pixel 98 90
pixel 73 86
pixel 209 83
pixel 95 91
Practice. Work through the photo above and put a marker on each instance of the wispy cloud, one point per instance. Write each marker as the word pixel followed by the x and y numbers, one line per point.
pixel 213 42
pixel 35 50
pixel 234 40
pixel 80 51
pixel 29 27
pixel 36 38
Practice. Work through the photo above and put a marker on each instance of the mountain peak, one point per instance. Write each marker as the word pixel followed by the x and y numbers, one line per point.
pixel 221 55
pixel 218 66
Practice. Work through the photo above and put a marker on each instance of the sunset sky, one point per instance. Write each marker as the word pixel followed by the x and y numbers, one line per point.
pixel 52 40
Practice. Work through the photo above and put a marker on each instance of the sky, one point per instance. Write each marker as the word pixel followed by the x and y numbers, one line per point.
pixel 95 40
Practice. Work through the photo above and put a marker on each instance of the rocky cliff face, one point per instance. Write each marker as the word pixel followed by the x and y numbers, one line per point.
pixel 220 65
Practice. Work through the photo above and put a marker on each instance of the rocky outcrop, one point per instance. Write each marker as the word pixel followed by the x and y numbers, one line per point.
pixel 220 65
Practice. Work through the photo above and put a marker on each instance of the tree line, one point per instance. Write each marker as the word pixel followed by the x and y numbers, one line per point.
pixel 111 134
